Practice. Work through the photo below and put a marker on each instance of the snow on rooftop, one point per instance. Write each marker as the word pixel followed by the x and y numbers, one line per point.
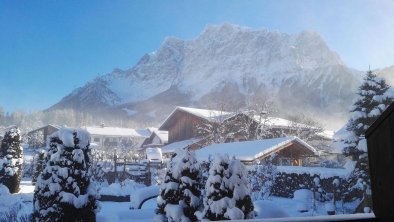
pixel 163 135
pixel 279 122
pixel 212 115
pixel 328 134
pixel 248 150
pixel 170 148
pixel 117 131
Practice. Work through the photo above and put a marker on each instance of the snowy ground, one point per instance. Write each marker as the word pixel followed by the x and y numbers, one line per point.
pixel 283 209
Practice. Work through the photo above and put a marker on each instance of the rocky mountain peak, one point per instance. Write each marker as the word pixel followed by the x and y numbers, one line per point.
pixel 225 64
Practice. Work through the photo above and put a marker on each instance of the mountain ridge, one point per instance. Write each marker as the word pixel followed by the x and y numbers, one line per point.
pixel 225 64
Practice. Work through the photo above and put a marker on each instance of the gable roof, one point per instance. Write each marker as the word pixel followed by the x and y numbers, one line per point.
pixel 275 122
pixel 43 127
pixel 205 114
pixel 117 131
pixel 163 135
pixel 170 148
pixel 251 150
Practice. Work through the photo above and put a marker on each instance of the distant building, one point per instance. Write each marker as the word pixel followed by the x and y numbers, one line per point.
pixel 116 137
pixel 38 137
pixel 157 138
pixel 182 123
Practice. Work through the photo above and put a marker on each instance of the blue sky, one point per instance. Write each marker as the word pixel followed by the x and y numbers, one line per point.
pixel 48 48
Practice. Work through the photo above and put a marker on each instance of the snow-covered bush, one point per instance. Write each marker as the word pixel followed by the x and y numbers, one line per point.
pixel 241 190
pixel 227 191
pixel 169 191
pixel 217 191
pixel 98 172
pixel 11 160
pixel 39 163
pixel 263 178
pixel 287 183
pixel 189 171
pixel 65 190
pixel 180 193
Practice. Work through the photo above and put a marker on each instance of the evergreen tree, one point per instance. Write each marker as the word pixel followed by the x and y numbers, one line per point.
pixel 169 191
pixel 39 163
pixel 218 193
pixel 65 190
pixel 189 170
pixel 372 101
pixel 241 192
pixel 11 160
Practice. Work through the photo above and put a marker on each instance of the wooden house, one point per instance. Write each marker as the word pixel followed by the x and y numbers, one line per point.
pixel 38 137
pixel 158 138
pixel 290 151
pixel 182 123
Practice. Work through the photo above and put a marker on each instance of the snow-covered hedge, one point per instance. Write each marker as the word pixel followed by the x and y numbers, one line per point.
pixel 286 183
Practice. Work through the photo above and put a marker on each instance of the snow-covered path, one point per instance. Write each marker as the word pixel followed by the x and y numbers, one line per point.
pixel 120 212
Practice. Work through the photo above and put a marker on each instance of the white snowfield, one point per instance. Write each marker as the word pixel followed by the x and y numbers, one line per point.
pixel 140 195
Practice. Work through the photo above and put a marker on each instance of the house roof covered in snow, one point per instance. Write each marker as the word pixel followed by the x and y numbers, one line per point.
pixel 163 135
pixel 210 115
pixel 251 150
pixel 43 127
pixel 170 148
pixel 278 122
pixel 117 131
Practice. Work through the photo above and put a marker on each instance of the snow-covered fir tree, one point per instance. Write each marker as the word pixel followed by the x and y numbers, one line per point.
pixel 238 183
pixel 65 190
pixel 371 102
pixel 218 194
pixel 169 197
pixel 11 160
pixel 180 193
pixel 189 171
pixel 39 163
pixel 227 192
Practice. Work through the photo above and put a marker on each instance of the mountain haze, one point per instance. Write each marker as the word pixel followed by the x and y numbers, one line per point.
pixel 225 65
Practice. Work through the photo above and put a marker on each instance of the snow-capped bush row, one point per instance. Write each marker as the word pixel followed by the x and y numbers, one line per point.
pixel 226 194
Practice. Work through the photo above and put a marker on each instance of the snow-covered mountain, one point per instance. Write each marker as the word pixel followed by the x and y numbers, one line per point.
pixel 225 64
